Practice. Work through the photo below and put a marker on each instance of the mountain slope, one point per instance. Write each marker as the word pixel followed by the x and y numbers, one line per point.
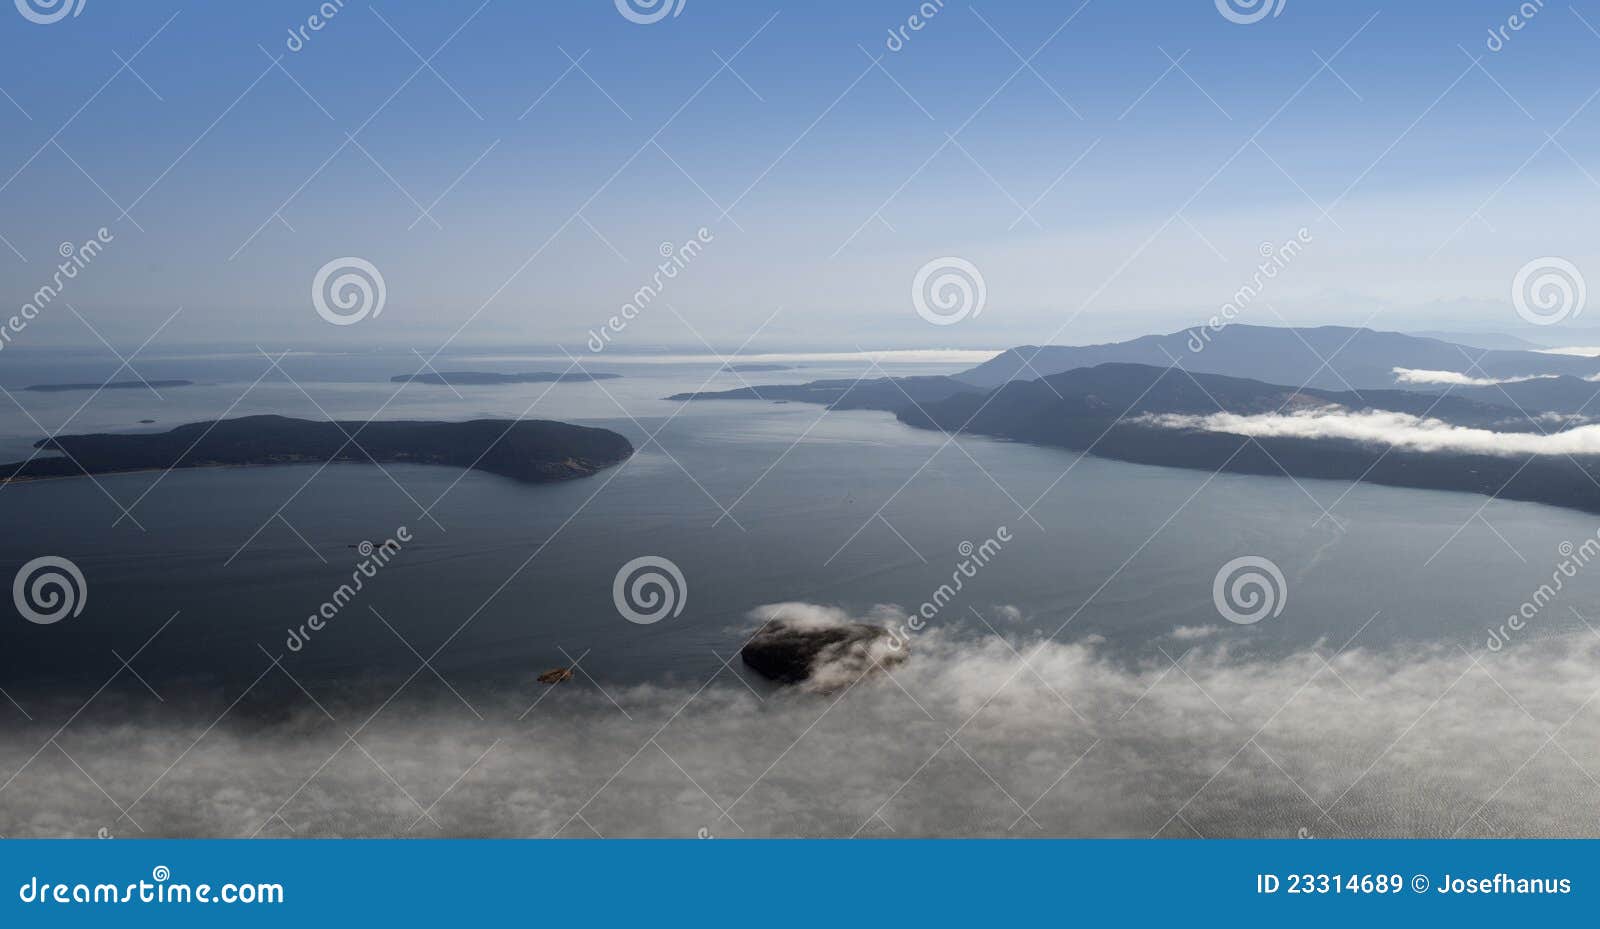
pixel 1157 415
pixel 1358 358
pixel 1569 395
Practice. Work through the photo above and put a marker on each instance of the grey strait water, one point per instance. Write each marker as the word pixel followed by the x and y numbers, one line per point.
pixel 1369 705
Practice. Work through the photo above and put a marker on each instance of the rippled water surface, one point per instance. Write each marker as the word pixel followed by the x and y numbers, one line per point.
pixel 1081 682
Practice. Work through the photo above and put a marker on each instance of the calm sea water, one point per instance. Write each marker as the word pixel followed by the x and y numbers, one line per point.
pixel 756 503
pixel 846 508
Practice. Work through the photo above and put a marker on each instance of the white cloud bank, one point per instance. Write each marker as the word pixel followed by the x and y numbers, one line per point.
pixel 1424 376
pixel 1400 741
pixel 1581 351
pixel 1381 427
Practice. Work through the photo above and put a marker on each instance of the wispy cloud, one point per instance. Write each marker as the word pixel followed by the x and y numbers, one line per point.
pixel 1424 376
pixel 1582 351
pixel 1085 742
pixel 1382 427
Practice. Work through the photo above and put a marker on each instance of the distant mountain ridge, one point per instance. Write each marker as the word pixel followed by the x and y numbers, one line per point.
pixel 1359 359
pixel 1109 410
pixel 1129 390
pixel 1172 412
pixel 1356 358
pixel 1570 395
pixel 1494 340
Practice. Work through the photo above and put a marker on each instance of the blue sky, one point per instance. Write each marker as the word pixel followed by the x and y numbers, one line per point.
pixel 825 180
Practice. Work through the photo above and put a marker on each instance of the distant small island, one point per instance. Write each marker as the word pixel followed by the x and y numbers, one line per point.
pixel 884 393
pixel 479 378
pixel 752 368
pixel 524 450
pixel 114 385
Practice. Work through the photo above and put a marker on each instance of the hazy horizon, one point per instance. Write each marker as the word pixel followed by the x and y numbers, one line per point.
pixel 599 400
pixel 1110 171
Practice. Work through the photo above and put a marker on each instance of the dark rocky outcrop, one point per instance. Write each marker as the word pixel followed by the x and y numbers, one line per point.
pixel 823 657
pixel 556 676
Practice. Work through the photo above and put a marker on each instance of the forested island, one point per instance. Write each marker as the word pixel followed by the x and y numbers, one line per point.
pixel 114 385
pixel 481 378
pixel 524 450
